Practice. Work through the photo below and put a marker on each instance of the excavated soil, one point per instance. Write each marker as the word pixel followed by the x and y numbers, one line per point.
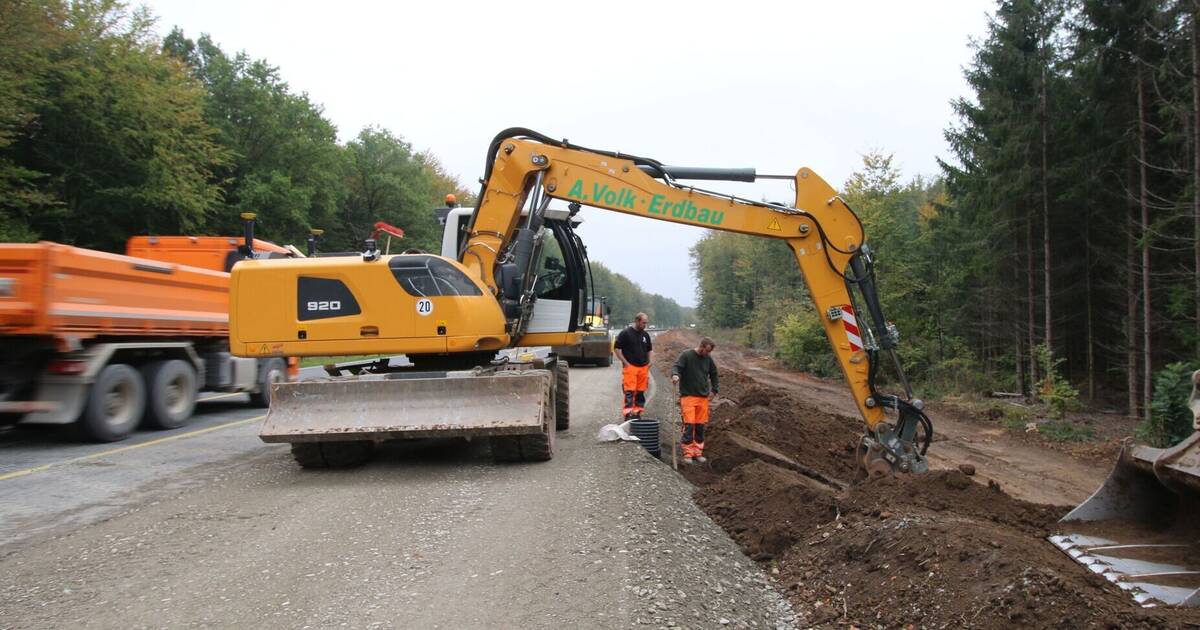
pixel 938 550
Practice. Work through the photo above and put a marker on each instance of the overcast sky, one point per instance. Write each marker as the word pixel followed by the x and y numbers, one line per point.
pixel 772 85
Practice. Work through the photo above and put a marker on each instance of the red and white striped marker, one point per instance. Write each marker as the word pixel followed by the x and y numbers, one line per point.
pixel 850 324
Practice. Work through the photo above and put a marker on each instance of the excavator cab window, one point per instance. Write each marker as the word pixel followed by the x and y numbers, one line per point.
pixel 430 276
pixel 551 271
pixel 562 269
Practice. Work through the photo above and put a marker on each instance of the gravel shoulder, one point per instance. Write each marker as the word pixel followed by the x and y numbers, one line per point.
pixel 430 534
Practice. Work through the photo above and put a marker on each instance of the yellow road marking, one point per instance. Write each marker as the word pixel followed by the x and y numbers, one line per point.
pixel 170 438
pixel 218 397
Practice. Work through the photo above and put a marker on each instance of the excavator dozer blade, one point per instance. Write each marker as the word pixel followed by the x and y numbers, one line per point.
pixel 1141 529
pixel 377 409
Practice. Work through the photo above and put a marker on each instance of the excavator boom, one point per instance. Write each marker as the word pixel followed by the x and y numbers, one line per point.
pixel 824 234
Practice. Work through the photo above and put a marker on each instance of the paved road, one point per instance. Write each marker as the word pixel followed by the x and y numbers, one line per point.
pixel 218 529
pixel 91 481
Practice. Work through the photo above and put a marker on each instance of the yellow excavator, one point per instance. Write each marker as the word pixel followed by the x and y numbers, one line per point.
pixel 519 279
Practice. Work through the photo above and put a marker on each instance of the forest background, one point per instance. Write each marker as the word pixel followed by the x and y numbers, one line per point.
pixel 108 131
pixel 1056 255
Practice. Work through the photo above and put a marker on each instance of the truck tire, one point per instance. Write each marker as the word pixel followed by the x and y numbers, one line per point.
pixel 170 393
pixel 115 403
pixel 562 397
pixel 332 454
pixel 270 372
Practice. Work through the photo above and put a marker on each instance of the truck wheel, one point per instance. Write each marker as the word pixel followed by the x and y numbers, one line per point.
pixel 269 373
pixel 115 404
pixel 171 393
pixel 15 392
pixel 332 454
pixel 562 398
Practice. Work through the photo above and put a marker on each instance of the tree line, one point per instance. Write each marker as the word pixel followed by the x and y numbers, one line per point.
pixel 107 131
pixel 1060 246
pixel 626 299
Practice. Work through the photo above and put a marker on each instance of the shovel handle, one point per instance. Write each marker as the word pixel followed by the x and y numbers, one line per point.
pixel 675 419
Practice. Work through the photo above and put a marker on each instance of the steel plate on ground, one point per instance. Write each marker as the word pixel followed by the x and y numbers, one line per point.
pixel 507 403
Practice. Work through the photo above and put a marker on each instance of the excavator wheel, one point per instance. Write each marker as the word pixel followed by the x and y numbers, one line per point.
pixel 536 447
pixel 562 397
pixel 332 454
pixel 523 448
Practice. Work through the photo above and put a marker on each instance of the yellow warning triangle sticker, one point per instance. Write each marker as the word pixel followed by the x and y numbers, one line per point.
pixel 774 225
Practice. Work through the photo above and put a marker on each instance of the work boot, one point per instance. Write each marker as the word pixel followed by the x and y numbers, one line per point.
pixel 687 460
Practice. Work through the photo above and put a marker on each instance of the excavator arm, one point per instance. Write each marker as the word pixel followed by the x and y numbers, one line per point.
pixel 527 170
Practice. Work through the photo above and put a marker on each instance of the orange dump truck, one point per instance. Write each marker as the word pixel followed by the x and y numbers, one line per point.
pixel 110 341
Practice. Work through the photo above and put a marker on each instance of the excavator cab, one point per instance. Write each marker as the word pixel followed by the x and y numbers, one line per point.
pixel 562 279
pixel 497 395
pixel 1141 529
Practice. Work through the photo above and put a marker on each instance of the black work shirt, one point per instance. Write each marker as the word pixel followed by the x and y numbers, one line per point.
pixel 635 345
pixel 695 372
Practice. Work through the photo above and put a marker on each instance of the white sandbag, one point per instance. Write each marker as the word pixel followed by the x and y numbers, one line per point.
pixel 614 432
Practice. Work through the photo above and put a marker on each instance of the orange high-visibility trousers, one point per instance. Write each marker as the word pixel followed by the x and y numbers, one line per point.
pixel 634 381
pixel 695 416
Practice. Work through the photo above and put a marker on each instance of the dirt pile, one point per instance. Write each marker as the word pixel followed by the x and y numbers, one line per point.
pixel 821 441
pixel 937 550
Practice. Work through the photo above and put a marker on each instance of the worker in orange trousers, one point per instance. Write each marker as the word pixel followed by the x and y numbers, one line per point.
pixel 695 374
pixel 634 348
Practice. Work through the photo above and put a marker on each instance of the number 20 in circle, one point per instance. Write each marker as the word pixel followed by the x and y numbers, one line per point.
pixel 424 306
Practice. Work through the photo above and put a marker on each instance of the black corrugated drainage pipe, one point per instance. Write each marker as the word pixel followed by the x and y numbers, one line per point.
pixel 646 430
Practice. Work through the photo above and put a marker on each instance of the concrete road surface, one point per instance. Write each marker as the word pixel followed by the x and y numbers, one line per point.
pixel 209 527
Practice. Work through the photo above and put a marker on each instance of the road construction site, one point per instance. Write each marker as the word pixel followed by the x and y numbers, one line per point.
pixel 944 549
pixel 429 534
pixel 207 526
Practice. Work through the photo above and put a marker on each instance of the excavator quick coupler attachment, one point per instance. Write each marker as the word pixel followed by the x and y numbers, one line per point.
pixel 889 450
